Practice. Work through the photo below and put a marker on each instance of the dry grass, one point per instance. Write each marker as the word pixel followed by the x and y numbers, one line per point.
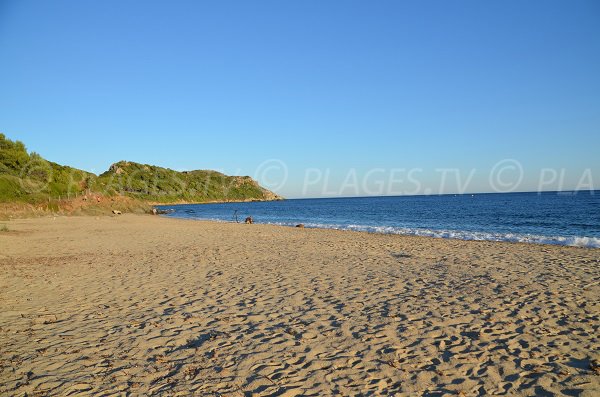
pixel 96 205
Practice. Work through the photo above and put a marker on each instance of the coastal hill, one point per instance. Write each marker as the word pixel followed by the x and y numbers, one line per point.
pixel 29 179
pixel 163 185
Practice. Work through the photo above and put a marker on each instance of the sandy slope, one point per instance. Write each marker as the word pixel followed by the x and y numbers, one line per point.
pixel 142 305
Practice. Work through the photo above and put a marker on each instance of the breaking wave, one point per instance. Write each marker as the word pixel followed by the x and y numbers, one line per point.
pixel 548 218
pixel 574 241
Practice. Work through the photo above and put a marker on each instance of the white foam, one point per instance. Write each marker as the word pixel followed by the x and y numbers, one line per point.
pixel 575 241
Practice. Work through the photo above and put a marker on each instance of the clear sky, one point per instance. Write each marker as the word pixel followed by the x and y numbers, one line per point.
pixel 314 98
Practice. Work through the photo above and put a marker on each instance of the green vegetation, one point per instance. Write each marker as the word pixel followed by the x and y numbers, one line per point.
pixel 28 178
pixel 164 185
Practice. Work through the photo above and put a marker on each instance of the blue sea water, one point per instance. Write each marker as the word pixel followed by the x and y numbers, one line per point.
pixel 563 218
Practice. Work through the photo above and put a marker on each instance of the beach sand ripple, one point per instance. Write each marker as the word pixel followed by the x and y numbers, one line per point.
pixel 141 305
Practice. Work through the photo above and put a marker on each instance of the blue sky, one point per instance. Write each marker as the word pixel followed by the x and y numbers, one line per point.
pixel 293 91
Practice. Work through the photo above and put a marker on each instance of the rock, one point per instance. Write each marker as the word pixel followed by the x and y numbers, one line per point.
pixel 116 167
pixel 157 211
pixel 116 212
pixel 300 225
pixel 249 220
pixel 270 196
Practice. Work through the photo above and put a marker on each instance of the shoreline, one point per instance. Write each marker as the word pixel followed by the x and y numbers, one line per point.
pixel 306 227
pixel 145 305
pixel 158 204
pixel 342 229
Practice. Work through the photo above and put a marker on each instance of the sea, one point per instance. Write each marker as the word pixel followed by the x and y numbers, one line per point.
pixel 559 218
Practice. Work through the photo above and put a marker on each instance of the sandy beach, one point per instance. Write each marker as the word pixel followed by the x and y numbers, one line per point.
pixel 141 305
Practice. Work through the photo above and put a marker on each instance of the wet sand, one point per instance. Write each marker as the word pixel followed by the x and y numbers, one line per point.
pixel 143 305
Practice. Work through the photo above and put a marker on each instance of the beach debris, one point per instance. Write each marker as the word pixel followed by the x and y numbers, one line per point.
pixel 249 220
pixel 300 225
pixel 116 212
